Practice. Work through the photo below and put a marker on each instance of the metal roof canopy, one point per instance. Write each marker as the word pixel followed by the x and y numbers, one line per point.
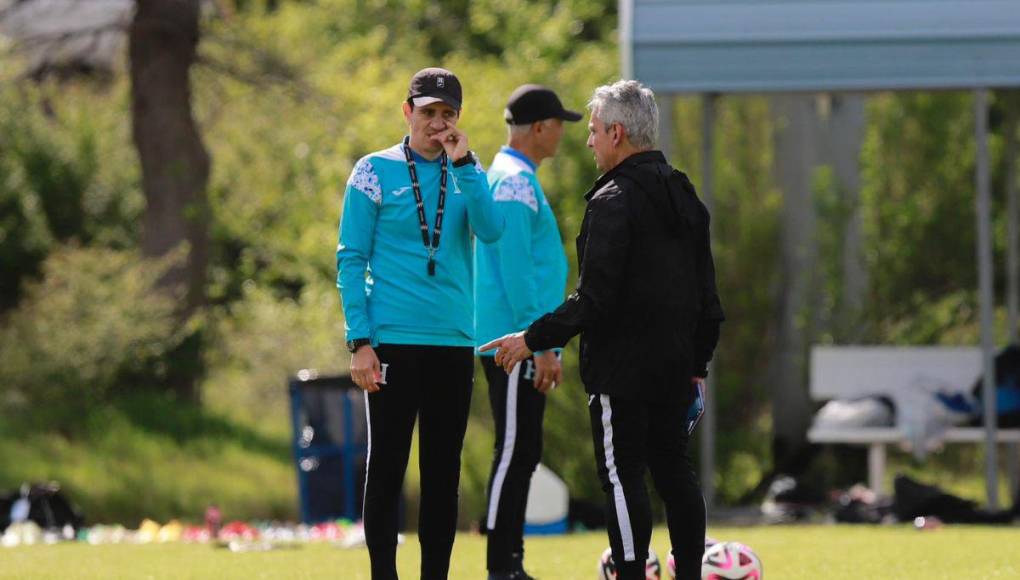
pixel 729 46
pixel 742 46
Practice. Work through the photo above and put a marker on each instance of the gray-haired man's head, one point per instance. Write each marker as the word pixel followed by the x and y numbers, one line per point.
pixel 632 105
pixel 624 121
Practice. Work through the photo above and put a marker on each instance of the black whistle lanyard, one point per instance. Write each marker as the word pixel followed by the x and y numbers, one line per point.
pixel 416 186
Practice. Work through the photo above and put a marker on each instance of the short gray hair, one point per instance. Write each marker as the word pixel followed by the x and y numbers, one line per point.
pixel 632 105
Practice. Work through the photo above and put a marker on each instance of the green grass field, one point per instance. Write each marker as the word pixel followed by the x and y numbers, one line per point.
pixel 789 553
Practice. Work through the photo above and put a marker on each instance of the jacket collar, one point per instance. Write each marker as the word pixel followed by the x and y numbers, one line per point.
pixel 508 150
pixel 640 158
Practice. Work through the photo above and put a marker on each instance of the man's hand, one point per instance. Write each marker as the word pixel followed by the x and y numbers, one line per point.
pixel 453 141
pixel 548 371
pixel 511 349
pixel 365 369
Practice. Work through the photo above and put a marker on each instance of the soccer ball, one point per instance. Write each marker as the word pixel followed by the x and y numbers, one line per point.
pixel 671 562
pixel 731 561
pixel 607 568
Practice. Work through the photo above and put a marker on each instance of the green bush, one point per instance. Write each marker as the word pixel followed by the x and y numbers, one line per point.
pixel 24 236
pixel 94 318
pixel 150 455
pixel 261 340
pixel 66 176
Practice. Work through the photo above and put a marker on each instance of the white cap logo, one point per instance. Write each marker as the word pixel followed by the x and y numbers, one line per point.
pixel 439 82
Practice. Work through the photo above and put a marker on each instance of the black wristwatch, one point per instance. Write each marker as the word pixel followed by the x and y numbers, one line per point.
pixel 468 157
pixel 354 345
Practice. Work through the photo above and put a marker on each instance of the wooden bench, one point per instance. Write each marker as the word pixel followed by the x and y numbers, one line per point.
pixel 853 372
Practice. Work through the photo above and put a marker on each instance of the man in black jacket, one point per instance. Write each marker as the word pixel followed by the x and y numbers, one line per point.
pixel 648 313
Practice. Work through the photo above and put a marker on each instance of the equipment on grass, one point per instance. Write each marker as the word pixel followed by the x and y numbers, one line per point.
pixel 43 503
pixel 25 533
pixel 548 503
pixel 607 567
pixel 731 561
pixel 671 562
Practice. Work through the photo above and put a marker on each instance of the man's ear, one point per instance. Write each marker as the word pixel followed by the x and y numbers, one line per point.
pixel 407 111
pixel 618 134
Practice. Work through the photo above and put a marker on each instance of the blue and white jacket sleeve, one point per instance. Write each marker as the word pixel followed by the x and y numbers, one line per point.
pixel 362 199
pixel 515 196
pixel 485 218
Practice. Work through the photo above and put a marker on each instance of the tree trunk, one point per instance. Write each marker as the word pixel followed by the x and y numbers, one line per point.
pixel 797 144
pixel 175 165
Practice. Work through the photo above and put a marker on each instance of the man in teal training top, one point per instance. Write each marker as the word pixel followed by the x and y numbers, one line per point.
pixel 405 277
pixel 518 279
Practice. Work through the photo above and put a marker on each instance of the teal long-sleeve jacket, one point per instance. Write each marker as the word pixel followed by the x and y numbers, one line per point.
pixel 387 293
pixel 523 274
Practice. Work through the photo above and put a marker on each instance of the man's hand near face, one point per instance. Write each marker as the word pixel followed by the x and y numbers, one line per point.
pixel 454 142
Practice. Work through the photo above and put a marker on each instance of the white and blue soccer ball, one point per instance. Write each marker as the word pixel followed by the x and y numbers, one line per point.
pixel 607 567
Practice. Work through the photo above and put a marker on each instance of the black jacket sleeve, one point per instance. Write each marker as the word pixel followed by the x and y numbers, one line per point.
pixel 706 335
pixel 601 276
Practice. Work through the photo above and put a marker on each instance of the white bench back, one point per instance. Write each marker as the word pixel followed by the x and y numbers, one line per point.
pixel 847 372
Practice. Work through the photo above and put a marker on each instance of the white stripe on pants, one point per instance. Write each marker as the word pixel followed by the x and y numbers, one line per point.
pixel 622 514
pixel 368 453
pixel 509 436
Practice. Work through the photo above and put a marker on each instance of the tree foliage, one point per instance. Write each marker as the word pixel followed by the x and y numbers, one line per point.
pixel 92 327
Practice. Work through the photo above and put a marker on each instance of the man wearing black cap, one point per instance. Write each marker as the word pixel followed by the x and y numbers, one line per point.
pixel 648 312
pixel 519 278
pixel 409 315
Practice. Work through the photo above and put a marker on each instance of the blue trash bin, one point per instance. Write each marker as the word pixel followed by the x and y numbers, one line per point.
pixel 330 445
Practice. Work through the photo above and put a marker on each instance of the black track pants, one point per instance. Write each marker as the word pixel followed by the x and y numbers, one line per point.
pixel 518 410
pixel 630 436
pixel 432 384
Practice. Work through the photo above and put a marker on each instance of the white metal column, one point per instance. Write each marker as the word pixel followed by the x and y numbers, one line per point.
pixel 986 301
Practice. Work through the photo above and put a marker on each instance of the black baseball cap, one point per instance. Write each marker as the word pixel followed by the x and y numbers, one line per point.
pixel 432 85
pixel 532 103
